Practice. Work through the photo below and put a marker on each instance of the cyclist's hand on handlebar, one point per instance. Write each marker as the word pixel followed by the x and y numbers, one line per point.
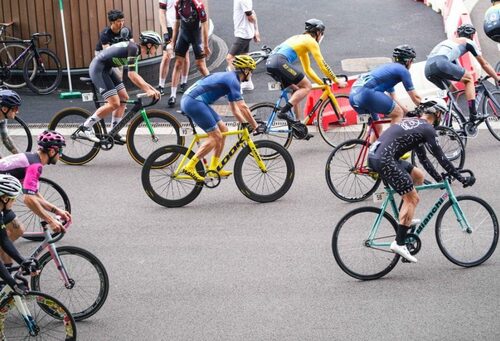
pixel 153 93
pixel 20 289
pixel 56 226
pixel 468 181
pixel 30 266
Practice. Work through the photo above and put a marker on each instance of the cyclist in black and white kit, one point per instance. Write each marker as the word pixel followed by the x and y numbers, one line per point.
pixel 384 158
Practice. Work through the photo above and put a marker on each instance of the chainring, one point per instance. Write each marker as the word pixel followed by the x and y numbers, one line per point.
pixel 299 131
pixel 413 243
pixel 212 179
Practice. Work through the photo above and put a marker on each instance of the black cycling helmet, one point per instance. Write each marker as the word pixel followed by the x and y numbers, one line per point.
pixel 9 99
pixel 115 14
pixel 150 37
pixel 315 26
pixel 403 53
pixel 465 30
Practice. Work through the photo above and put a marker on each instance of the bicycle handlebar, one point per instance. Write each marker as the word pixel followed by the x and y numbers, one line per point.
pixel 448 177
pixel 266 49
pixel 42 34
pixel 153 100
pixel 61 234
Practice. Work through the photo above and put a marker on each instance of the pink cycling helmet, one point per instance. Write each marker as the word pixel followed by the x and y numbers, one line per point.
pixel 50 139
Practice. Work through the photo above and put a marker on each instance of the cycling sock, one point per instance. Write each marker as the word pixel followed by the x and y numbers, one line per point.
pixel 472 107
pixel 286 108
pixel 214 162
pixel 162 82
pixel 192 163
pixel 89 123
pixel 174 92
pixel 401 234
pixel 184 79
pixel 115 121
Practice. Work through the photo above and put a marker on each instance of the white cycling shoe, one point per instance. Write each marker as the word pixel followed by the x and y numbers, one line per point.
pixel 402 250
pixel 88 133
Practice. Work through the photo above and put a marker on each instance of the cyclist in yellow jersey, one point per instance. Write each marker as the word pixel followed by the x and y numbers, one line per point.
pixel 279 65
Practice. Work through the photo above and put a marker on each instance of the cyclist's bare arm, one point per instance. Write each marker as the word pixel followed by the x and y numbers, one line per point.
pixel 487 68
pixel 163 20
pixel 142 84
pixel 242 112
pixel 38 205
pixel 6 139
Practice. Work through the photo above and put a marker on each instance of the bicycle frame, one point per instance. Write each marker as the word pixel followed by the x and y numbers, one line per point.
pixel 22 308
pixel 22 55
pixel 363 155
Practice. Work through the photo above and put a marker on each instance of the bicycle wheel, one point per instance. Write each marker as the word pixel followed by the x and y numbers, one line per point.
pixel 78 151
pixel 19 134
pixel 343 176
pixel 161 185
pixel 8 54
pixel 497 68
pixel 452 146
pixel 329 127
pixel 47 75
pixel 278 130
pixel 88 285
pixel 141 143
pixel 264 186
pixel 471 247
pixel 493 112
pixel 355 253
pixel 54 194
pixel 455 123
pixel 50 319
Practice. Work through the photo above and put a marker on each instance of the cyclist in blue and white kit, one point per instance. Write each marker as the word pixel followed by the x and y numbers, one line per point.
pixel 196 104
pixel 374 93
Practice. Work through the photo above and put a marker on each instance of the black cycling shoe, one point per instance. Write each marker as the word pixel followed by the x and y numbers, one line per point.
pixel 183 87
pixel 119 139
pixel 161 90
pixel 287 116
pixel 171 102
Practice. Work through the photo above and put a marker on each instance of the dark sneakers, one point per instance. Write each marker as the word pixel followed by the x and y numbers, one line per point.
pixel 171 102
pixel 183 87
pixel 161 90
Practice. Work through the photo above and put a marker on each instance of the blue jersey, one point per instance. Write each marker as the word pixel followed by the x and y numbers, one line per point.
pixel 212 87
pixel 385 77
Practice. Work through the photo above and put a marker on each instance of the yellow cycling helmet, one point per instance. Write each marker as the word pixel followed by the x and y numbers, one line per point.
pixel 244 62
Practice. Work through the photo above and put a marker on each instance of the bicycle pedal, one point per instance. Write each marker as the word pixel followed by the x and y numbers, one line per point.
pixel 308 137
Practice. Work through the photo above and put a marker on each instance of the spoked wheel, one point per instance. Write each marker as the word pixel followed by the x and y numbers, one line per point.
pixel 8 54
pixel 333 131
pixel 78 150
pixel 20 135
pixel 343 174
pixel 473 245
pixel 455 122
pixel 493 111
pixel 46 77
pixel 160 182
pixel 358 255
pixel 51 320
pixel 268 185
pixel 87 289
pixel 141 142
pixel 54 194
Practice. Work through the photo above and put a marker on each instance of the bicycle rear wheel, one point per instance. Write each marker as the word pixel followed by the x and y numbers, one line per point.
pixel 50 319
pixel 161 185
pixel 343 174
pixel 46 77
pixel 8 54
pixel 470 247
pixel 166 131
pixel 355 253
pixel 493 112
pixel 333 131
pixel 88 285
pixel 19 133
pixel 78 151
pixel 455 123
pixel 264 186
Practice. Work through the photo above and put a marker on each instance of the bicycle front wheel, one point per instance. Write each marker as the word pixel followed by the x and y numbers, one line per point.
pixel 333 131
pixel 87 287
pixel 141 142
pixel 493 112
pixel 278 130
pixel 161 183
pixel 8 54
pixel 46 77
pixel 268 185
pixel 475 244
pixel 50 319
pixel 343 172
pixel 356 253
pixel 78 150
pixel 20 135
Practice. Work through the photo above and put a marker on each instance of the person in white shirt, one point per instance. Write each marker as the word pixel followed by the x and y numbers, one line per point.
pixel 245 29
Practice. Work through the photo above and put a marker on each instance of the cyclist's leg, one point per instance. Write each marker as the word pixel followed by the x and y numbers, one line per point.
pixel 123 95
pixel 181 54
pixel 214 162
pixel 199 54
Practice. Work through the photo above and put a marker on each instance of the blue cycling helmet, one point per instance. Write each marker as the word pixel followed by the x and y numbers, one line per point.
pixel 9 99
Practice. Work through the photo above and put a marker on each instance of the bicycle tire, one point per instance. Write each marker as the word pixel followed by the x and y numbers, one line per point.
pixel 497 67
pixel 456 123
pixel 354 236
pixel 54 194
pixel 44 82
pixel 53 319
pixel 463 239
pixel 161 121
pixel 263 112
pixel 342 162
pixel 8 54
pixel 335 133
pixel 77 151
pixel 20 134
pixel 156 172
pixel 90 271
pixel 493 112
pixel 279 175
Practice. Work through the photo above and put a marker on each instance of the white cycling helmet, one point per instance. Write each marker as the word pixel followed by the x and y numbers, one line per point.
pixel 9 185
pixel 434 104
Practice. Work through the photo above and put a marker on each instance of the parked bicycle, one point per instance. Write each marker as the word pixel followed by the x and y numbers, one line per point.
pixel 259 178
pixel 466 232
pixel 19 133
pixel 35 315
pixel 147 131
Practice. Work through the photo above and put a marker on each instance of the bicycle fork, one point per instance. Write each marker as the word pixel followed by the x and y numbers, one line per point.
pixel 69 283
pixel 145 117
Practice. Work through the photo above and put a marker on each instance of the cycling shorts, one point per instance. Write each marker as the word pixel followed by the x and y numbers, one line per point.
pixel 282 71
pixel 105 80
pixel 189 37
pixel 200 112
pixel 369 101
pixel 240 46
pixel 439 71
pixel 395 172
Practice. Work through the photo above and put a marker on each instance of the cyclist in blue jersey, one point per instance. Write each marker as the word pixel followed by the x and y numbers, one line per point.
pixel 491 22
pixel 196 104
pixel 373 93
